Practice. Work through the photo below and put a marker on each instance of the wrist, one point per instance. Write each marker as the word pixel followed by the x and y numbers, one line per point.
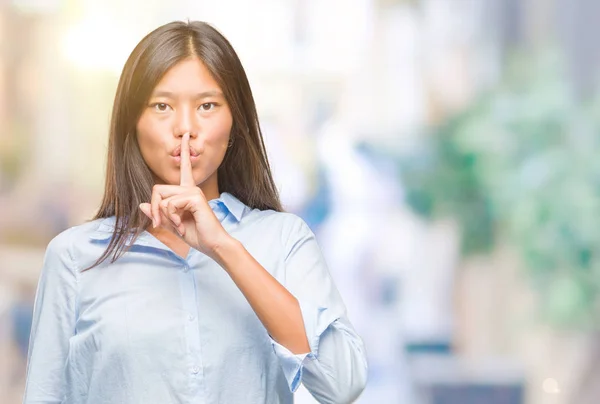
pixel 226 247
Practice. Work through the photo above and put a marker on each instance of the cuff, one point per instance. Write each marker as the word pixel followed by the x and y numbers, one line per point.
pixel 292 365
pixel 316 320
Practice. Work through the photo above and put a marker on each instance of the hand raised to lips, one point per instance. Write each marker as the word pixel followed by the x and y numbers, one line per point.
pixel 183 209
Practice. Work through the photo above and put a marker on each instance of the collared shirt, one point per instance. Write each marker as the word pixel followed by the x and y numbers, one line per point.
pixel 153 327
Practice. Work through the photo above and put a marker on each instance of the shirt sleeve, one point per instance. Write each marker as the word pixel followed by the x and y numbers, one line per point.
pixel 335 369
pixel 53 324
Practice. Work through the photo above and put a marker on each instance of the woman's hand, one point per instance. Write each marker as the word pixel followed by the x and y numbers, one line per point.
pixel 184 210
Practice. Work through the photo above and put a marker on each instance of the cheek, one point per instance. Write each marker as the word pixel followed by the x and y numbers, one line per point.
pixel 218 142
pixel 148 138
pixel 219 134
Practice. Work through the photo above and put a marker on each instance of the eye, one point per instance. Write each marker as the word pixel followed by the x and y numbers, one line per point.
pixel 208 106
pixel 160 106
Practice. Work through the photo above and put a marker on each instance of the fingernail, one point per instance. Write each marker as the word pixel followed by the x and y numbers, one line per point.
pixel 154 223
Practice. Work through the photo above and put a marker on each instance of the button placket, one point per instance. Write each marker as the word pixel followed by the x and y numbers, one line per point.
pixel 190 316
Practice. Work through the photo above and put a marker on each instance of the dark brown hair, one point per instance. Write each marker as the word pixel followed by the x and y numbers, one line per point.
pixel 244 172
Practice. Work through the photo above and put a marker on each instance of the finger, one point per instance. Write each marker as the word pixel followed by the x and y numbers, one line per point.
pixel 155 206
pixel 168 210
pixel 146 209
pixel 163 210
pixel 186 178
pixel 175 218
pixel 168 224
pixel 167 191
pixel 177 205
pixel 160 192
pixel 173 213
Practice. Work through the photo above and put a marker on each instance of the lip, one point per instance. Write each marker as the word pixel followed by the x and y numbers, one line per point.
pixel 177 158
pixel 177 152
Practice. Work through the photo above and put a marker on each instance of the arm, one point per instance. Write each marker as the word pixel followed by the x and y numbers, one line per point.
pixel 314 340
pixel 274 305
pixel 306 320
pixel 53 325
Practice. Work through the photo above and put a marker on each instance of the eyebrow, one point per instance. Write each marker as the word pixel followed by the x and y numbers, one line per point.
pixel 205 94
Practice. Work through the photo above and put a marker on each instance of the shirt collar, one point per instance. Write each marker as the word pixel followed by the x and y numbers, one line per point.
pixel 233 205
pixel 221 206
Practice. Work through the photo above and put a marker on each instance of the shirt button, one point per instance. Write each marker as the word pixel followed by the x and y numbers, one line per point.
pixel 191 317
pixel 196 370
pixel 186 268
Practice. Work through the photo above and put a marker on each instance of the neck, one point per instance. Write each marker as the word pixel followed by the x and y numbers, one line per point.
pixel 210 194
pixel 210 188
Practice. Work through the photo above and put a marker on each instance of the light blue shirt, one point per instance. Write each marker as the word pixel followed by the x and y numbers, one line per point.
pixel 156 328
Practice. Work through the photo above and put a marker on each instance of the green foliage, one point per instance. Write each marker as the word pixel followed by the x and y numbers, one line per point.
pixel 523 163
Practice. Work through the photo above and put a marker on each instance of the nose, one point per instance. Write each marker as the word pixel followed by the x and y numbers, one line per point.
pixel 186 121
pixel 193 134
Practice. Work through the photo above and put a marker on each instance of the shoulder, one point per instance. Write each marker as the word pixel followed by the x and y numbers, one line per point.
pixel 75 234
pixel 285 221
pixel 266 221
pixel 288 227
pixel 65 245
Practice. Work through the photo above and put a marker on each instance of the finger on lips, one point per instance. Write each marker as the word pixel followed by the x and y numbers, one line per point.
pixel 162 208
pixel 186 176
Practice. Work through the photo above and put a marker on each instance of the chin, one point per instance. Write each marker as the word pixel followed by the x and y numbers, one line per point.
pixel 166 180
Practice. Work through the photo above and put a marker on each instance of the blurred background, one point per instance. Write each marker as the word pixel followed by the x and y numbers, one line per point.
pixel 443 151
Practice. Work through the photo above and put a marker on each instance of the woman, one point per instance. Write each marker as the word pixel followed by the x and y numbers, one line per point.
pixel 191 285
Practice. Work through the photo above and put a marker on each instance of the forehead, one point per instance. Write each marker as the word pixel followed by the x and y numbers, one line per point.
pixel 188 76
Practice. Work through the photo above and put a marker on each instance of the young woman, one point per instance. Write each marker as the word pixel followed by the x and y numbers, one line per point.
pixel 190 285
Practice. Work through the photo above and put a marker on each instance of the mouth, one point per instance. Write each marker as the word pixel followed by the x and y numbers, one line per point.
pixel 177 159
pixel 176 155
pixel 177 152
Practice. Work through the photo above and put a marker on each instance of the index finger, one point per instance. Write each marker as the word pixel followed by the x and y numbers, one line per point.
pixel 186 176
